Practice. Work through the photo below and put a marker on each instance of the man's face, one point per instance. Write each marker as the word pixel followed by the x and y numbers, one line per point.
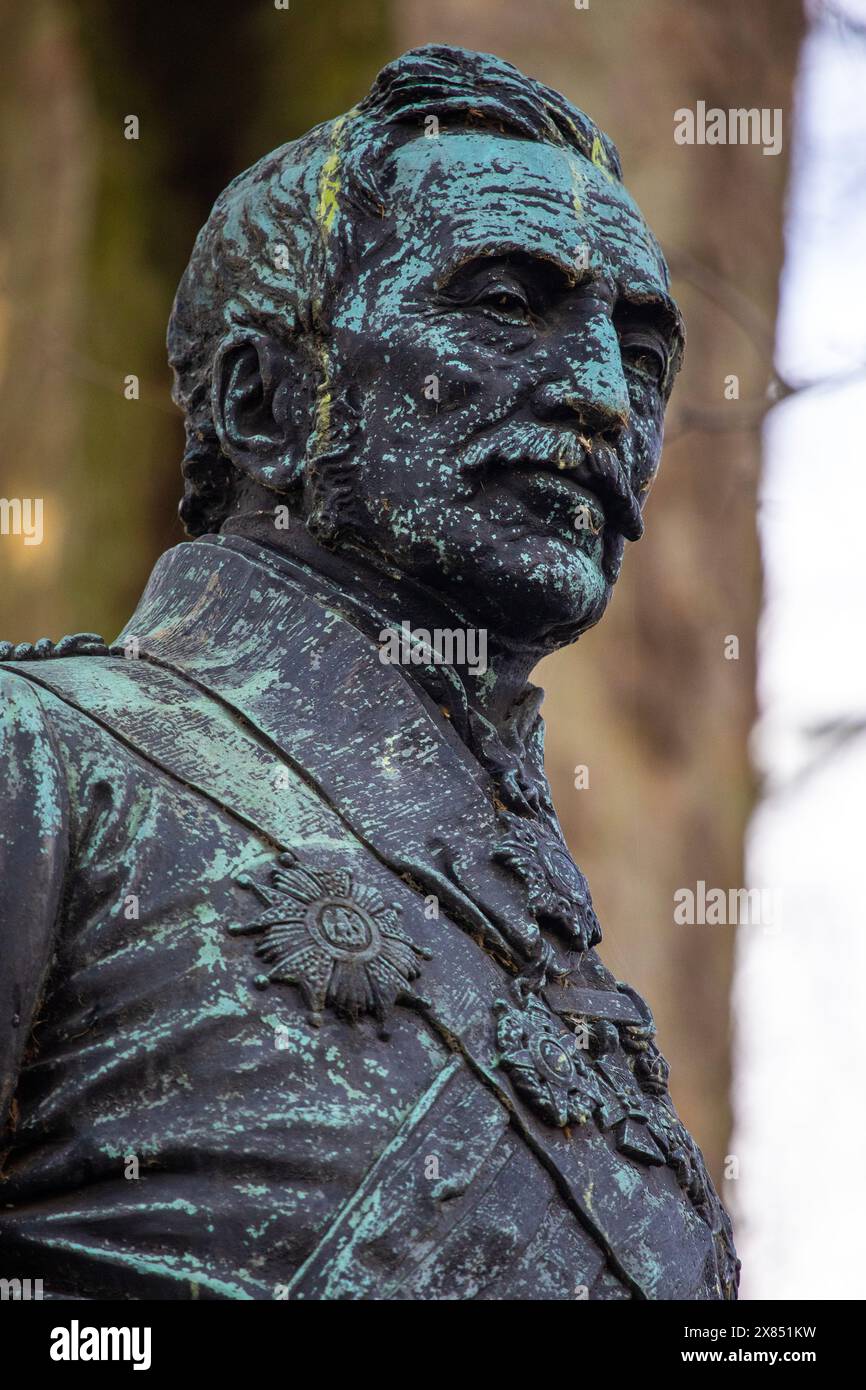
pixel 510 348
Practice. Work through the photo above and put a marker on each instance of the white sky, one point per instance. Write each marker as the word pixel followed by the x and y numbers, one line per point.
pixel 800 1080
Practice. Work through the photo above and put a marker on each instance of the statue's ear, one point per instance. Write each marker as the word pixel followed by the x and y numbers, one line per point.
pixel 252 385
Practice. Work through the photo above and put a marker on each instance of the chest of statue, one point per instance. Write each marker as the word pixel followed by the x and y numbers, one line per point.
pixel 288 1021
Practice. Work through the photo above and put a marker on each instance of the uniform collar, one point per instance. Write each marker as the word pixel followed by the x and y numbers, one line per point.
pixel 274 644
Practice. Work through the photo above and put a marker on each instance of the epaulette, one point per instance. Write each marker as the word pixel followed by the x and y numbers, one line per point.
pixel 76 644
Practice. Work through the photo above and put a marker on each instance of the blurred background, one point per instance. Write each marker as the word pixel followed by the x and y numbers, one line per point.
pixel 658 704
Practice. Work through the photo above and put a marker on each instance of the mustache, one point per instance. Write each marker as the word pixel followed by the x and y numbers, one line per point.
pixel 592 463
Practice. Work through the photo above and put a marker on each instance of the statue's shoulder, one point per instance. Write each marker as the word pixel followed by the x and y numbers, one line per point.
pixel 76 644
pixel 83 675
pixel 32 806
pixel 31 672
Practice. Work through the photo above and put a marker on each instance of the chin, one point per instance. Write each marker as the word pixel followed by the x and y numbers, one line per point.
pixel 547 603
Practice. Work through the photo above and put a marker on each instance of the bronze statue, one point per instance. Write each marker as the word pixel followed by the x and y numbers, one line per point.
pixel 302 998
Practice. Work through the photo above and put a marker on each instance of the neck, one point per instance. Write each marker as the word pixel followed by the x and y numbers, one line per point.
pixel 388 599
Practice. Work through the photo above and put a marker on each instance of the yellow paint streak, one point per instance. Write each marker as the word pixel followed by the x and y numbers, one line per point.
pixel 329 179
pixel 599 159
pixel 576 190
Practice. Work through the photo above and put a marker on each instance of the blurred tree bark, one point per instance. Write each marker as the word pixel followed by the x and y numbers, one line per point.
pixel 648 701
pixel 95 231
pixel 45 194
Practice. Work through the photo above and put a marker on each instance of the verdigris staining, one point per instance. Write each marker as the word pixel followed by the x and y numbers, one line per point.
pixel 320 1008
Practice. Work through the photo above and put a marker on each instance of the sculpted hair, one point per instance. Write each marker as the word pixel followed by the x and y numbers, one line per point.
pixel 286 232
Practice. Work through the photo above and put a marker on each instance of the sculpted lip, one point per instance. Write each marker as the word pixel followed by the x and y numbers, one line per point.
pixel 563 478
pixel 571 477
pixel 565 474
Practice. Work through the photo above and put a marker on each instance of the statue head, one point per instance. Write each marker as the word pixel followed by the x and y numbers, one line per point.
pixel 439 331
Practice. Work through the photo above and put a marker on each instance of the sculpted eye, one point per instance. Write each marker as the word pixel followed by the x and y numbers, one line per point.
pixel 646 355
pixel 505 303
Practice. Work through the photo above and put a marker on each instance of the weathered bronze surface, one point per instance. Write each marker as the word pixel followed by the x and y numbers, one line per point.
pixel 300 990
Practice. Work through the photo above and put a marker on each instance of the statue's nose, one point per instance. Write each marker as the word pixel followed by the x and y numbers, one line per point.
pixel 560 400
pixel 591 389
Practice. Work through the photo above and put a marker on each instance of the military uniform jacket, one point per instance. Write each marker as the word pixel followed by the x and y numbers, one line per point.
pixel 281 1012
